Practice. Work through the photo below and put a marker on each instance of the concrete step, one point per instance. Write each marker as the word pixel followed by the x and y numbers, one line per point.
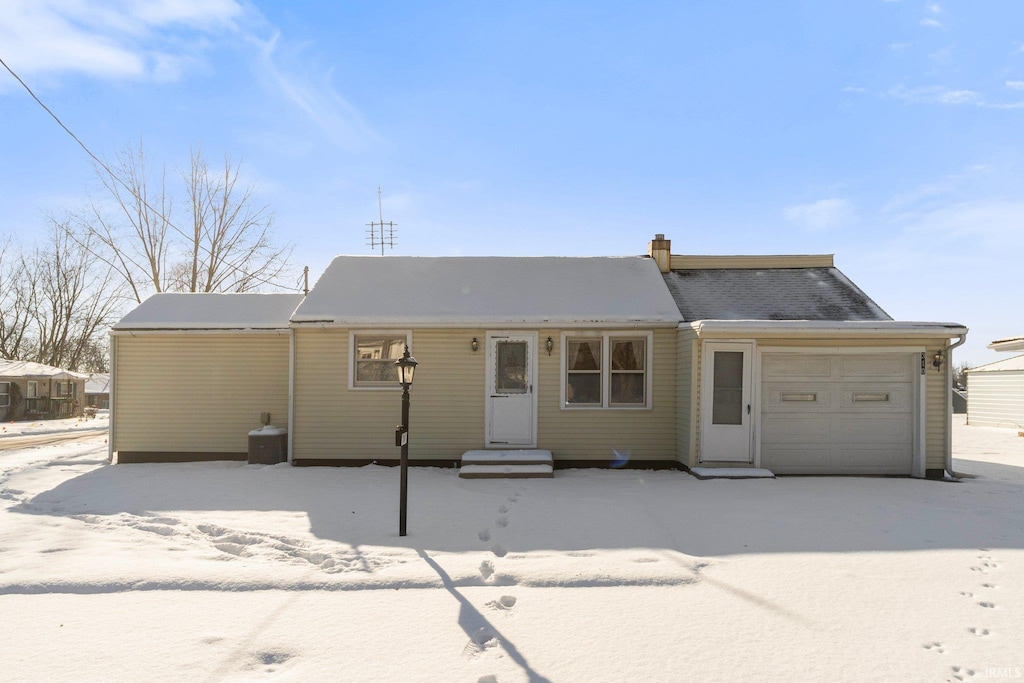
pixel 506 471
pixel 508 457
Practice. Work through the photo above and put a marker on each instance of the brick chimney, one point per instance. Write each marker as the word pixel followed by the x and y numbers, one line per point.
pixel 660 249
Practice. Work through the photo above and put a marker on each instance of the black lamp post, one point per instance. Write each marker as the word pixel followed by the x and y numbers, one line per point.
pixel 406 366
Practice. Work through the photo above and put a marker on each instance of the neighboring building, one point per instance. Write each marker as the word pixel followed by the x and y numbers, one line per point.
pixel 668 361
pixel 996 391
pixel 33 391
pixel 97 390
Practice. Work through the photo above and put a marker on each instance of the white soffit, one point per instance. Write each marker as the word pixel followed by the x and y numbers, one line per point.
pixel 1011 344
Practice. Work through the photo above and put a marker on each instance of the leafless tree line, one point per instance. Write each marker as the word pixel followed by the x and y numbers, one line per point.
pixel 58 299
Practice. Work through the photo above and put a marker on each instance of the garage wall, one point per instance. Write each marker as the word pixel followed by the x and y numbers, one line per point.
pixel 196 393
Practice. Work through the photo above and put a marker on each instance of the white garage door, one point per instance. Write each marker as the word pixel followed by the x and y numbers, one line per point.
pixel 837 414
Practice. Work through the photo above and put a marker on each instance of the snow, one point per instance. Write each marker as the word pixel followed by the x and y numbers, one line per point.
pixel 268 430
pixel 214 311
pixel 414 290
pixel 228 571
pixel 25 368
pixel 62 426
pixel 1015 363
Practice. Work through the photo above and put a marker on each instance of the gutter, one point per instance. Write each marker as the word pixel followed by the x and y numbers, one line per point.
pixel 811 329
pixel 949 402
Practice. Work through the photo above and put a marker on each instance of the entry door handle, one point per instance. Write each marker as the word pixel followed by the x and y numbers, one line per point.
pixel 748 409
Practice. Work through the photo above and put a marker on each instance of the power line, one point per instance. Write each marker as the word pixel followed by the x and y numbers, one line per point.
pixel 125 185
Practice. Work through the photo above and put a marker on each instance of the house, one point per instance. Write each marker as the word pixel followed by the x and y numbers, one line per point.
pixel 996 390
pixel 97 390
pixel 36 391
pixel 648 361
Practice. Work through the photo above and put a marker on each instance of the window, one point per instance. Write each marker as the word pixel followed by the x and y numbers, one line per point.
pixel 606 370
pixel 5 394
pixel 373 359
pixel 33 390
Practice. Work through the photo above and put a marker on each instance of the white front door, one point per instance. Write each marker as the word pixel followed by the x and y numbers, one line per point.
pixel 511 400
pixel 726 405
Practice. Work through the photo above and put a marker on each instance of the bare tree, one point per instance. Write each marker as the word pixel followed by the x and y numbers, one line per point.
pixel 224 245
pixel 57 303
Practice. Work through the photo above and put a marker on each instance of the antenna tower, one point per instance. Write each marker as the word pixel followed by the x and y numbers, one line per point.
pixel 379 233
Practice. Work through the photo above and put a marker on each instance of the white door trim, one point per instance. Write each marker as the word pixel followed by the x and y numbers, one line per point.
pixel 751 383
pixel 531 339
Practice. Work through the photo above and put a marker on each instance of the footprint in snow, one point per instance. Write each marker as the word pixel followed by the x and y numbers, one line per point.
pixel 489 678
pixel 934 645
pixel 961 673
pixel 482 641
pixel 504 603
pixel 984 603
pixel 502 522
pixel 966 594
pixel 484 535
pixel 503 509
pixel 499 550
pixel 486 569
pixel 980 632
pixel 988 585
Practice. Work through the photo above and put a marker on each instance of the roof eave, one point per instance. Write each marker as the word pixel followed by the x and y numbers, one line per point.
pixel 843 329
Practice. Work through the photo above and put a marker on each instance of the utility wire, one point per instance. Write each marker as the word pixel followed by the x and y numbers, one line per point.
pixel 125 185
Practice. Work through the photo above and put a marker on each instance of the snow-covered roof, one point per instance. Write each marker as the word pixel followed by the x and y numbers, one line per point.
pixel 835 329
pixel 1009 344
pixel 208 311
pixel 98 383
pixel 1015 363
pixel 24 368
pixel 770 294
pixel 489 290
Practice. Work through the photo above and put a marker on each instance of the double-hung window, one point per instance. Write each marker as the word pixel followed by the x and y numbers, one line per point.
pixel 373 359
pixel 606 370
pixel 5 394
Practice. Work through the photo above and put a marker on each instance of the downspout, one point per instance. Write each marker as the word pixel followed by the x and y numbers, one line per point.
pixel 291 390
pixel 949 403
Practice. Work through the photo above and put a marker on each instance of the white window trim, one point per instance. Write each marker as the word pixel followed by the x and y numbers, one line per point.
pixel 606 372
pixel 352 357
pixel 6 395
pixel 29 386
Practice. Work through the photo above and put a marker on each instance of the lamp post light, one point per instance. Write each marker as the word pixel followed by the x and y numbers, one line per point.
pixel 406 367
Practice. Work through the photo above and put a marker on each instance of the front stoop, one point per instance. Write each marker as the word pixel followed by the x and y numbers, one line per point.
pixel 517 464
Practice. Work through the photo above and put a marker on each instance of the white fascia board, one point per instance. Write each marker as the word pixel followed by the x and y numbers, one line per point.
pixel 833 328
pixel 140 331
pixel 488 323
pixel 1015 344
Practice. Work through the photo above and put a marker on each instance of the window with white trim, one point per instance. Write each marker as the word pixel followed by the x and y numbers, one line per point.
pixel 33 389
pixel 373 358
pixel 5 394
pixel 606 370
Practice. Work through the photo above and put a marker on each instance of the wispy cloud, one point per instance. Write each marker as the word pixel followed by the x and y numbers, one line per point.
pixel 931 22
pixel 934 8
pixel 1015 85
pixel 316 97
pixel 824 214
pixel 934 94
pixel 111 39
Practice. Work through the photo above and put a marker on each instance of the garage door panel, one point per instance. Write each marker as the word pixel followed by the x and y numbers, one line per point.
pixel 794 367
pixel 789 429
pixel 882 367
pixel 883 429
pixel 837 413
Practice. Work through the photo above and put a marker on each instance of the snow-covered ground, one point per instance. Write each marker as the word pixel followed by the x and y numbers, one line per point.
pixel 240 572
pixel 66 425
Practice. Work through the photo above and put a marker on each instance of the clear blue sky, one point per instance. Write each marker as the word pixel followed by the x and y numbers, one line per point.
pixel 890 133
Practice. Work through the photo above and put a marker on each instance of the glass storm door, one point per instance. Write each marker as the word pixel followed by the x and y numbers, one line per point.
pixel 726 392
pixel 511 400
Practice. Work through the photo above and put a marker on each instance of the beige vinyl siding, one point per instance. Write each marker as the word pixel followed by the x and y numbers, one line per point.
pixel 686 356
pixel 335 422
pixel 197 393
pixel 596 434
pixel 996 399
pixel 936 404
pixel 448 402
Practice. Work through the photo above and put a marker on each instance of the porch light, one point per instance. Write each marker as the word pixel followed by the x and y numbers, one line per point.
pixel 474 345
pixel 406 366
pixel 549 344
pixel 937 360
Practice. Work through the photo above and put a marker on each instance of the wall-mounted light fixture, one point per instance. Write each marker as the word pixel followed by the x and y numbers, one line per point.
pixel 549 345
pixel 937 360
pixel 474 345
